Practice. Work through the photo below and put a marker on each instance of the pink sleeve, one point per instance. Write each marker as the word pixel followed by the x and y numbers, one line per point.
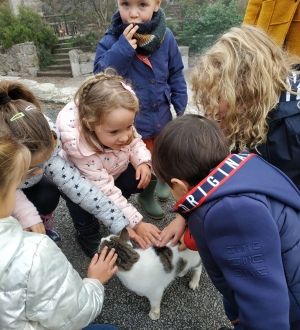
pixel 139 152
pixel 24 211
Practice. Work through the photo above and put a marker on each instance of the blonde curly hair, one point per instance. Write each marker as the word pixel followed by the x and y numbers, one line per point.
pixel 247 71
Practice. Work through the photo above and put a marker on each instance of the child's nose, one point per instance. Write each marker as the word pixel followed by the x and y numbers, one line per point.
pixel 123 138
pixel 134 13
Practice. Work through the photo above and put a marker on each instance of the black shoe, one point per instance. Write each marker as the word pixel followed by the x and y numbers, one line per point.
pixel 225 328
pixel 89 238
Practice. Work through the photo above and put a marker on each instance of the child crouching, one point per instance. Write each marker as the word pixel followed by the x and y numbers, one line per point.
pixel 244 215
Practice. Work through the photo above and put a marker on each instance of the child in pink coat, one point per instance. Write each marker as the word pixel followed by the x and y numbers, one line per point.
pixel 98 136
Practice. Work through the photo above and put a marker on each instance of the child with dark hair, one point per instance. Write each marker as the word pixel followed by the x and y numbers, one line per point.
pixel 243 217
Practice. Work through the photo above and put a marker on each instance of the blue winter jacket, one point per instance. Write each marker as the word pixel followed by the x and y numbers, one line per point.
pixel 247 233
pixel 156 88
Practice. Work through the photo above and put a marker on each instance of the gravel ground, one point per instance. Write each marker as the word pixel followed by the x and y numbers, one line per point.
pixel 181 308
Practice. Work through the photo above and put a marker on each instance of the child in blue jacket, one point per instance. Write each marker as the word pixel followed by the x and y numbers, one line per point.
pixel 244 215
pixel 140 47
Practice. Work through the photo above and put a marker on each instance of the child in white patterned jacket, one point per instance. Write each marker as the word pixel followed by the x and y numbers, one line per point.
pixel 49 174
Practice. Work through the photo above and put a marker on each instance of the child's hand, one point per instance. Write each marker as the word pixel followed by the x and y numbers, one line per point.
pixel 182 245
pixel 102 267
pixel 174 230
pixel 128 34
pixel 143 174
pixel 38 228
pixel 133 235
pixel 149 233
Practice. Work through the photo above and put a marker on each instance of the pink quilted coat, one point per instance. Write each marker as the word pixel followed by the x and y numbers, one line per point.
pixel 101 168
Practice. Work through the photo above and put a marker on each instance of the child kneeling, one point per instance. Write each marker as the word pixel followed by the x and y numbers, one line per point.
pixel 244 215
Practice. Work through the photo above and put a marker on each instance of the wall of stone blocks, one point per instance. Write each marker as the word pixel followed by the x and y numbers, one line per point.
pixel 20 60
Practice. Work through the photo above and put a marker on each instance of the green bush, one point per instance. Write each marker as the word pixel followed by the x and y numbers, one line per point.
pixel 199 27
pixel 27 26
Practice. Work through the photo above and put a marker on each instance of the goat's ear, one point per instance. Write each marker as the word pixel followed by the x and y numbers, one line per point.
pixel 124 236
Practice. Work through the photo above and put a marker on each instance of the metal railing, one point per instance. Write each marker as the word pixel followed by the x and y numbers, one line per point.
pixel 63 25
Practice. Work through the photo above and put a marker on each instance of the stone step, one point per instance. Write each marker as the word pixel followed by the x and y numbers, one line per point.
pixel 62 50
pixel 62 61
pixel 55 73
pixel 61 67
pixel 61 56
pixel 64 45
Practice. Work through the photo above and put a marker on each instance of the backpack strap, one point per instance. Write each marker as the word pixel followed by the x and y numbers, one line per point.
pixel 213 181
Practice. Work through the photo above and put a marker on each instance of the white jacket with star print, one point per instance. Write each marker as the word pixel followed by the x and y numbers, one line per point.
pixel 79 189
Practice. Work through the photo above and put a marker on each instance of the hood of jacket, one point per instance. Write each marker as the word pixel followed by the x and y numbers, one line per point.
pixel 253 175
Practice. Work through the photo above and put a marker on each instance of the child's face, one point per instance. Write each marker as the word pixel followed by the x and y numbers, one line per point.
pixel 9 201
pixel 117 129
pixel 137 11
pixel 36 165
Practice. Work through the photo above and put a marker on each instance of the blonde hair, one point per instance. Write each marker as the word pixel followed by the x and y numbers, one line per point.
pixel 248 71
pixel 97 97
pixel 14 159
pixel 31 128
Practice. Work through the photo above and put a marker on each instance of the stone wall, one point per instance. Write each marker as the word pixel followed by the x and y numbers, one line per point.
pixel 82 64
pixel 33 4
pixel 20 60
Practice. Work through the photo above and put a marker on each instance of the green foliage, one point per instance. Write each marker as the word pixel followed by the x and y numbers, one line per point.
pixel 27 26
pixel 88 39
pixel 200 25
pixel 45 57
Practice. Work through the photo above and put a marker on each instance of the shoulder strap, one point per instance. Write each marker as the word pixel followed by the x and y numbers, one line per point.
pixel 213 181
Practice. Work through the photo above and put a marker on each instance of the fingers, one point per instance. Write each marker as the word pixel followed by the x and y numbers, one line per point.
pixel 130 31
pixel 140 241
pixel 114 270
pixel 103 254
pixel 182 247
pixel 94 260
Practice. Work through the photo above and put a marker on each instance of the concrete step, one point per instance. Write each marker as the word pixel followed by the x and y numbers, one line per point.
pixel 55 73
pixel 61 56
pixel 62 50
pixel 62 61
pixel 61 67
pixel 64 45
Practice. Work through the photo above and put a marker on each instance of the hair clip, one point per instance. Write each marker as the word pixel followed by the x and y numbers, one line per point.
pixel 17 116
pixel 30 107
pixel 128 88
pixel 5 100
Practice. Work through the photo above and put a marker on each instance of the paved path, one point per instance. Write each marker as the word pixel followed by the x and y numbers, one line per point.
pixel 181 308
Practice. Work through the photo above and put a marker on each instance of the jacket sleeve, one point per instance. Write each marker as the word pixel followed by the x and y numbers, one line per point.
pixel 139 153
pixel 176 81
pixel 116 53
pixel 25 212
pixel 64 300
pixel 83 192
pixel 244 242
pixel 105 182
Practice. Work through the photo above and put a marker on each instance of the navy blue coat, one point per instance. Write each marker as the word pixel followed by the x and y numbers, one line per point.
pixel 247 233
pixel 156 88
